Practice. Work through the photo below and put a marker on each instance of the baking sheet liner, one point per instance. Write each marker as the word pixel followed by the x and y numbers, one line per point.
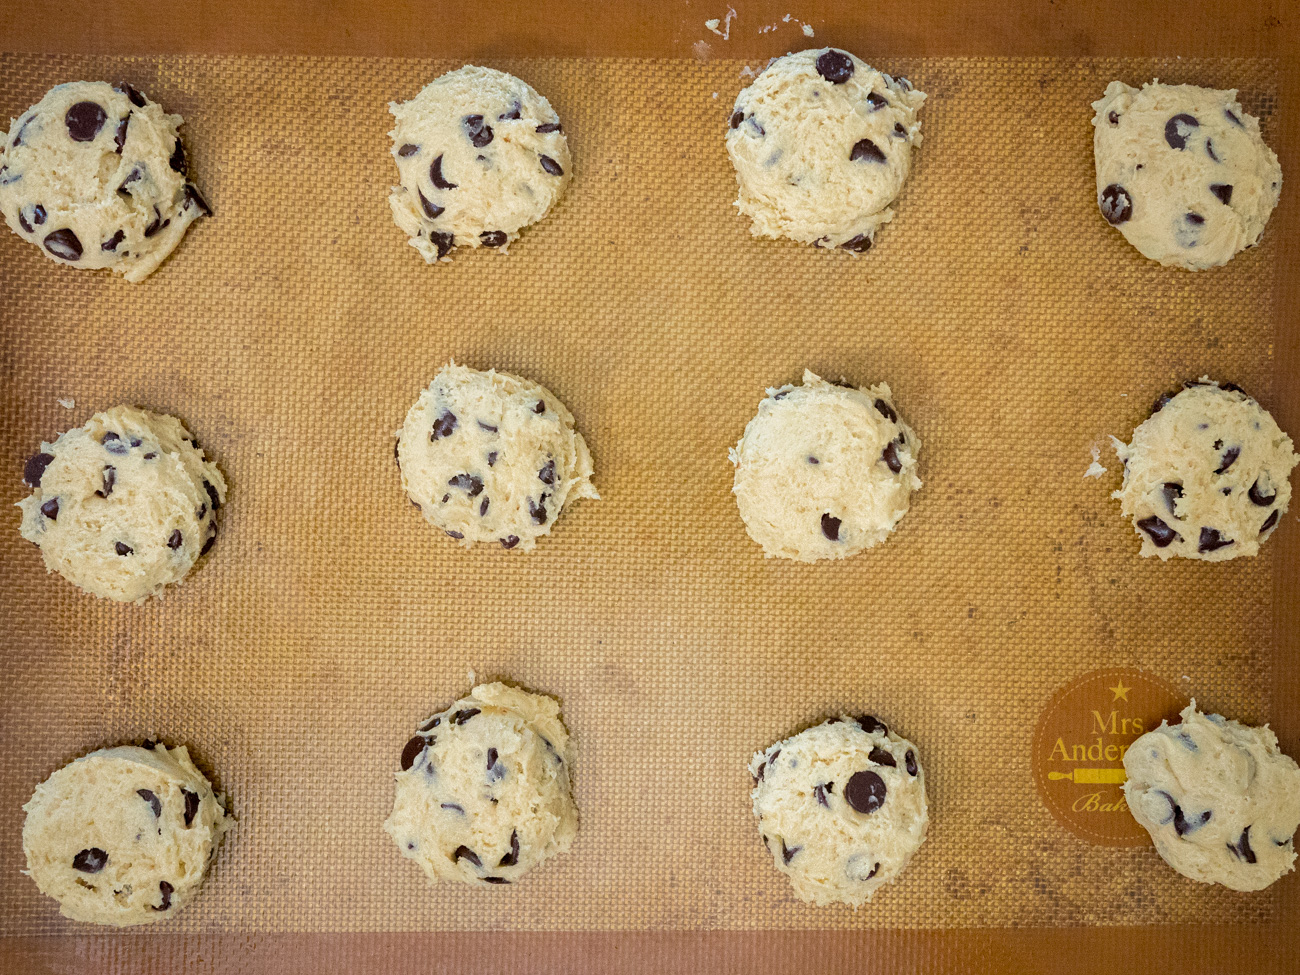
pixel 292 331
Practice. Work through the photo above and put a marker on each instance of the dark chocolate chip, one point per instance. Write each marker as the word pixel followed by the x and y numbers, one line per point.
pixel 1212 540
pixel 435 175
pixel 50 509
pixel 910 761
pixel 90 861
pixel 858 245
pixel 456 535
pixel 431 210
pixel 753 124
pixel 1241 849
pixel 547 474
pixel 166 890
pixel 538 511
pixel 1116 204
pixel 212 494
pixel 871 724
pixel 37 217
pixel 192 195
pixel 191 806
pixel 881 757
pixel 510 541
pixel 154 802
pixel 736 119
pixel 1229 458
pixel 1161 534
pixel 465 853
pixel 122 548
pixel 109 480
pixel 412 751
pixel 467 482
pixel 813 460
pixel 890 456
pixel 137 99
pixel 1195 219
pixel 835 66
pixel 443 241
pixel 63 243
pixel 495 880
pixel 119 137
pixel 175 540
pixel 463 715
pixel 1270 521
pixel 1209 149
pixel 177 160
pixel 483 508
pixel 34 469
pixel 112 242
pixel 865 149
pixel 1232 117
pixel 1223 191
pixel 453 807
pixel 788 852
pixel 84 120
pixel 1172 493
pixel 492 458
pixel 539 407
pixel 491 758
pixel 1113 118
pixel 820 792
pixel 887 411
pixel 516 111
pixel 865 791
pixel 1233 387
pixel 511 858
pixel 899 132
pixel 831 526
pixel 486 426
pixel 444 425
pixel 212 540
pixel 758 776
pixel 478 133
pixel 550 127
pixel 1178 128
pixel 1186 740
pixel 408 150
pixel 551 166
pixel 114 444
pixel 877 101
pixel 493 238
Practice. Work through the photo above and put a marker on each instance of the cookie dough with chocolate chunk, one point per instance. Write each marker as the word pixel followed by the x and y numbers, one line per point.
pixel 484 793
pixel 822 144
pixel 1207 475
pixel 824 471
pixel 96 176
pixel 841 808
pixel 1183 172
pixel 491 457
pixel 123 506
pixel 123 835
pixel 1219 799
pixel 481 155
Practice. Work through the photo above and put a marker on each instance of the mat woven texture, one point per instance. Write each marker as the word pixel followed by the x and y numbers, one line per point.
pixel 292 331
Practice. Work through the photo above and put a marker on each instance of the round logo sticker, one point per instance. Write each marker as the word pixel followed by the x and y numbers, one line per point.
pixel 1079 748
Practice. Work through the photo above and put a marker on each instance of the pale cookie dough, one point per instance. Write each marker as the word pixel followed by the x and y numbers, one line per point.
pixel 483 795
pixel 123 506
pixel 841 808
pixel 123 835
pixel 1183 172
pixel 822 144
pixel 95 174
pixel 824 471
pixel 491 457
pixel 1220 801
pixel 1207 475
pixel 481 155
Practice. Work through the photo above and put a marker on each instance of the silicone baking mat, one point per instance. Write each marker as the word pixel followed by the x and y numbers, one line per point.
pixel 292 331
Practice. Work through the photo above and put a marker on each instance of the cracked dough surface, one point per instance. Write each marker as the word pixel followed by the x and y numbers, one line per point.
pixel 123 506
pixel 123 835
pixel 95 175
pixel 484 793
pixel 1183 172
pixel 824 471
pixel 480 155
pixel 841 808
pixel 822 144
pixel 1219 799
pixel 491 457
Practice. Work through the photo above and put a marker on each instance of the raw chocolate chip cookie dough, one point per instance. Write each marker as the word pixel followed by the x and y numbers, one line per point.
pixel 483 795
pixel 481 155
pixel 123 835
pixel 822 144
pixel 491 457
pixel 824 471
pixel 123 506
pixel 95 175
pixel 1207 475
pixel 1183 172
pixel 841 808
pixel 1220 801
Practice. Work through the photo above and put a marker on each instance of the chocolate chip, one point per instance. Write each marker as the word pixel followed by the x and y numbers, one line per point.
pixel 757 129
pixel 1212 540
pixel 483 508
pixel 1186 740
pixel 432 723
pixel 510 541
pixel 166 890
pixel 1223 191
pixel 871 724
pixel 84 120
pixel 37 217
pixel 478 133
pixel 192 195
pixel 493 238
pixel 538 511
pixel 137 99
pixel 203 510
pixel 154 802
pixel 1113 118
pixel 50 509
pixel 495 880
pixel 865 791
pixel 110 479
pixel 467 482
pixel 113 443
pixel 820 792
pixel 431 210
pixel 212 540
pixel 516 110
pixel 1116 204
pixel 858 245
pixel 899 132
pixel 492 458
pixel 412 751
pixel 890 456
pixel 511 858
pixel 212 494
pixel 175 540
pixel 191 806
pixel 408 150
pixel 551 166
pixel 119 137
pixel 464 852
pixel 877 101
pixel 867 150
pixel 909 760
pixel 835 66
pixel 1270 521
pixel 547 474
pixel 736 119
pixel 34 469
pixel 539 407
pixel 1161 534
pixel 443 241
pixel 463 715
pixel 788 852
pixel 90 861
pixel 1233 387
pixel 813 460
pixel 112 242
pixel 885 410
pixel 122 548
pixel 831 526
pixel 1241 849
pixel 486 426
pixel 1161 403
pixel 435 175
pixel 177 160
pixel 1178 128
pixel 1233 118
pixel 452 806
pixel 1172 493
pixel 1229 458
pixel 550 127
pixel 63 243
pixel 881 757
pixel 444 425
pixel 1209 150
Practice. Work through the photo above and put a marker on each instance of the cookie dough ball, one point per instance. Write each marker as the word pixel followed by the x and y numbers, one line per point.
pixel 123 835
pixel 822 144
pixel 491 457
pixel 483 795
pixel 481 156
pixel 824 471
pixel 1207 476
pixel 1220 801
pixel 1182 172
pixel 123 506
pixel 841 808
pixel 95 175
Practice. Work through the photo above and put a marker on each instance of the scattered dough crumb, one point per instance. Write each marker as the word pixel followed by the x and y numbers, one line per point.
pixel 748 72
pixel 1095 469
pixel 68 403
pixel 713 26
pixel 725 23
pixel 807 30
pixel 702 50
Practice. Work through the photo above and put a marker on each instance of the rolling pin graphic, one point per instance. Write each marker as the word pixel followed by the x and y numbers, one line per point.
pixel 1091 776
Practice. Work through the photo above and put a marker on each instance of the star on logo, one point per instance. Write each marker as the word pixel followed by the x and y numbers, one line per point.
pixel 1120 691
